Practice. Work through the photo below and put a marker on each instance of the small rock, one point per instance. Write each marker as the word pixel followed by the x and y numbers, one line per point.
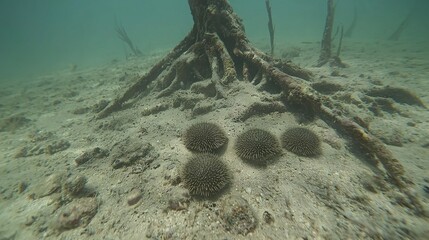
pixel 30 220
pixel 155 109
pixel 81 110
pixel 178 204
pixel 335 73
pixel 202 108
pixel 134 196
pixel 128 152
pixel 57 146
pixel 206 87
pixel 237 215
pixel 21 187
pixel 48 187
pixel 74 185
pixel 90 155
pixel 76 214
pixel 99 106
pixel 268 218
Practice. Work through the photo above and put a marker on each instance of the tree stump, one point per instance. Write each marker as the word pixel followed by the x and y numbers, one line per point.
pixel 217 49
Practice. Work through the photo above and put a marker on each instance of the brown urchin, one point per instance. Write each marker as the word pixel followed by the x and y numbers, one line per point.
pixel 205 175
pixel 301 141
pixel 204 137
pixel 257 146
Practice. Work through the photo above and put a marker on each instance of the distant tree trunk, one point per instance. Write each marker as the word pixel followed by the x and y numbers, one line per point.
pixel 270 25
pixel 325 52
pixel 218 50
pixel 401 27
pixel 326 49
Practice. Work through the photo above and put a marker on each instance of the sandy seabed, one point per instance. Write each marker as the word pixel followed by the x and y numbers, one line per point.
pixel 66 175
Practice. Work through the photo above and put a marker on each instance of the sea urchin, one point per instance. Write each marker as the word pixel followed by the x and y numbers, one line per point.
pixel 204 137
pixel 205 175
pixel 301 141
pixel 257 146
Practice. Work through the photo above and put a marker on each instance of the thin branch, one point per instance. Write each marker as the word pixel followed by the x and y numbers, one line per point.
pixel 122 34
pixel 270 25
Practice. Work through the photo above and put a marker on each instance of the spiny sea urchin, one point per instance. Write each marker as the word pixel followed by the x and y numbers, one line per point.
pixel 205 175
pixel 301 141
pixel 257 146
pixel 204 137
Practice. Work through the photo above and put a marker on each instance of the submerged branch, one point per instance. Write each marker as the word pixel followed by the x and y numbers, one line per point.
pixel 122 34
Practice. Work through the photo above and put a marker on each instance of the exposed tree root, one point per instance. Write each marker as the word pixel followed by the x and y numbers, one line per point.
pixel 217 49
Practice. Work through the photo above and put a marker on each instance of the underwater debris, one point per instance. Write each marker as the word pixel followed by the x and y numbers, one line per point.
pixel 157 108
pixel 91 155
pixel 47 146
pixel 398 95
pixel 134 196
pixel 259 109
pixel 128 152
pixel 12 123
pixel 325 87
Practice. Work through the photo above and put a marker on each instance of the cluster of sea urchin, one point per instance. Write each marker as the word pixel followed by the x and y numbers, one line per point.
pixel 301 141
pixel 205 174
pixel 204 137
pixel 257 146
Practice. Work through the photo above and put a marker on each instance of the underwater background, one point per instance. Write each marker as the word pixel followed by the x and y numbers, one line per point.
pixel 96 139
pixel 39 37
